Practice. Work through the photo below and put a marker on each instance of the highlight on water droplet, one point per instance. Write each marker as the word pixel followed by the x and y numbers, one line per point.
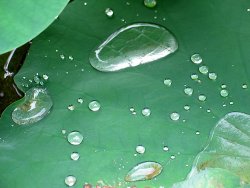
pixel 94 106
pixel 70 181
pixel 188 91
pixel 224 93
pixel 109 12
pixel 202 97
pixel 75 156
pixel 37 104
pixel 140 149
pixel 145 43
pixel 212 76
pixel 150 3
pixel 144 171
pixel 174 116
pixel 196 58
pixel 75 138
pixel 203 69
pixel 167 82
pixel 146 112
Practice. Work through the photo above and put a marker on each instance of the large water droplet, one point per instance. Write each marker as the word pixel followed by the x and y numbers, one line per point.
pixel 133 45
pixel 203 69
pixel 94 106
pixel 150 3
pixel 224 93
pixel 196 58
pixel 174 116
pixel 75 138
pixel 146 112
pixel 188 91
pixel 36 106
pixel 70 181
pixel 144 171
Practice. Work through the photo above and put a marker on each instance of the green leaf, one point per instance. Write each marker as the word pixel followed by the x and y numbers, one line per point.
pixel 21 21
pixel 39 154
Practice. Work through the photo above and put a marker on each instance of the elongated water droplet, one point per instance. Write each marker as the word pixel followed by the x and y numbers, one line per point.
pixel 224 93
pixel 109 12
pixel 75 138
pixel 203 69
pixel 75 156
pixel 144 171
pixel 196 58
pixel 36 106
pixel 212 76
pixel 94 106
pixel 150 3
pixel 140 149
pixel 144 43
pixel 188 91
pixel 174 116
pixel 146 112
pixel 70 181
pixel 167 82
pixel 202 97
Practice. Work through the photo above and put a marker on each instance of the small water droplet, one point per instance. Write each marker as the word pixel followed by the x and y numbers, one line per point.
pixel 165 148
pixel 150 3
pixel 109 12
pixel 212 76
pixel 62 56
pixel 244 86
pixel 231 102
pixel 202 97
pixel 196 58
pixel 85 3
pixel 172 157
pixel 45 77
pixel 223 86
pixel 75 156
pixel 187 107
pixel 197 132
pixel 63 131
pixel 36 79
pixel 203 69
pixel 224 93
pixel 194 77
pixel 208 110
pixel 94 106
pixel 71 107
pixel 71 58
pixel 167 82
pixel 140 149
pixel 175 116
pixel 75 138
pixel 188 91
pixel 146 112
pixel 70 181
pixel 80 100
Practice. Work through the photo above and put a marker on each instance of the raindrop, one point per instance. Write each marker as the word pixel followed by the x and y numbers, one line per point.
pixel 45 77
pixel 165 148
pixel 212 76
pixel 146 112
pixel 75 138
pixel 140 149
pixel 71 107
pixel 167 82
pixel 75 156
pixel 188 91
pixel 109 12
pixel 202 97
pixel 62 56
pixel 223 86
pixel 175 116
pixel 194 77
pixel 71 58
pixel 187 107
pixel 224 93
pixel 196 58
pixel 231 102
pixel 197 132
pixel 244 86
pixel 80 100
pixel 63 131
pixel 94 106
pixel 150 3
pixel 203 69
pixel 70 181
pixel 172 157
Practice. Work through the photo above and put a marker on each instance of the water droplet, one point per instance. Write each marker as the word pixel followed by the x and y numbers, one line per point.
pixel 175 116
pixel 223 86
pixel 94 106
pixel 244 86
pixel 150 3
pixel 144 171
pixel 203 69
pixel 36 106
pixel 144 43
pixel 70 181
pixel 146 112
pixel 140 149
pixel 75 156
pixel 202 97
pixel 165 148
pixel 80 100
pixel 172 157
pixel 45 77
pixel 196 58
pixel 63 131
pixel 36 79
pixel 71 58
pixel 167 82
pixel 62 56
pixel 224 93
pixel 85 3
pixel 212 76
pixel 71 107
pixel 75 138
pixel 231 102
pixel 208 110
pixel 194 77
pixel 109 12
pixel 187 107
pixel 188 91
pixel 197 132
